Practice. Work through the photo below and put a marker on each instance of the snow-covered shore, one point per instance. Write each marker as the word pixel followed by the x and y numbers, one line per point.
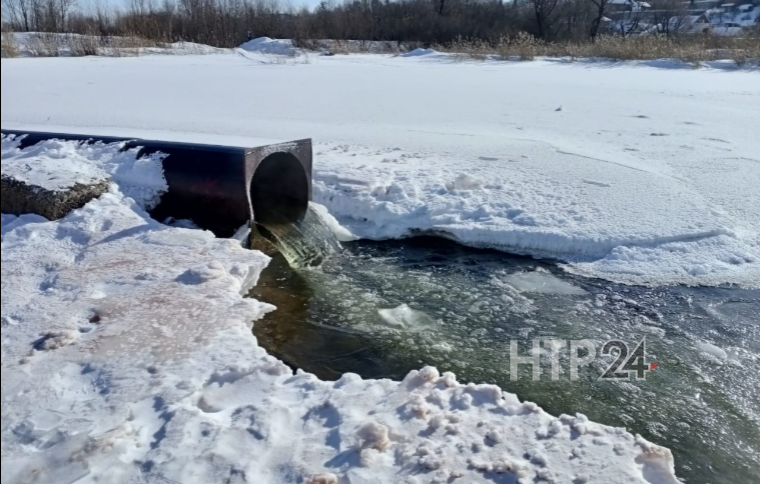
pixel 621 171
pixel 127 356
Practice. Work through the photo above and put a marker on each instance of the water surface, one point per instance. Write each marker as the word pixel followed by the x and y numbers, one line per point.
pixel 466 305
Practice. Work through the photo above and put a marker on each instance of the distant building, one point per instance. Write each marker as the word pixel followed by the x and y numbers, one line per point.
pixel 697 24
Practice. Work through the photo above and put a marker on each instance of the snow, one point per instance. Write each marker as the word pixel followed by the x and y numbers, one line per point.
pixel 127 352
pixel 265 45
pixel 11 222
pixel 419 52
pixel 56 166
pixel 647 175
pixel 695 262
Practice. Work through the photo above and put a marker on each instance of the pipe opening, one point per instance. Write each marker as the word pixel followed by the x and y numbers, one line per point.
pixel 279 191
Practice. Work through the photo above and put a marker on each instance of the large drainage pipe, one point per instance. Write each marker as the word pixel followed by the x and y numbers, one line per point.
pixel 220 188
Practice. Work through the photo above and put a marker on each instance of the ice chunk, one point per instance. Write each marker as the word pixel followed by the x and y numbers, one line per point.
pixel 408 319
pixel 542 282
pixel 341 233
pixel 713 350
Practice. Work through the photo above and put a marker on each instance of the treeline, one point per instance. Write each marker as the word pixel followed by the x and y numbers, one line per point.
pixel 227 23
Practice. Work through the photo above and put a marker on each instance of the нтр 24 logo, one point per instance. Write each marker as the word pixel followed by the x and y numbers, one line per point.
pixel 625 366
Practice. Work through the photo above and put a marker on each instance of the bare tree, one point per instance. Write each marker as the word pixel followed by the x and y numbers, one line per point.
pixel 631 20
pixel 544 12
pixel 670 16
pixel 600 9
pixel 18 14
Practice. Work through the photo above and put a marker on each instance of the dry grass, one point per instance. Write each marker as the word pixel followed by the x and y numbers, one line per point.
pixel 74 45
pixel 127 46
pixel 688 49
pixel 342 47
pixel 44 45
pixel 9 46
pixel 83 45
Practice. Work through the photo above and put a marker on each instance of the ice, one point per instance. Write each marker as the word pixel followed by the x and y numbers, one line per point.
pixel 542 282
pixel 341 233
pixel 405 318
pixel 708 261
pixel 712 350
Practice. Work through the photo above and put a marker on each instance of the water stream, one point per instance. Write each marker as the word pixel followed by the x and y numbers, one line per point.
pixel 381 309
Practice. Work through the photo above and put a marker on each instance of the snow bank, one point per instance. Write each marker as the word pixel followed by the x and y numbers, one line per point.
pixel 127 354
pixel 58 165
pixel 712 260
pixel 419 52
pixel 265 45
pixel 557 204
pixel 11 222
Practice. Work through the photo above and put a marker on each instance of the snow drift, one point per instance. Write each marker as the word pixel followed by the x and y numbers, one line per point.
pixel 265 45
pixel 419 52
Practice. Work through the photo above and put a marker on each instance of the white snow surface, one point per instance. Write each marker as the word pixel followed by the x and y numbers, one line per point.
pixel 128 357
pixel 57 166
pixel 646 175
pixel 419 52
pixel 265 45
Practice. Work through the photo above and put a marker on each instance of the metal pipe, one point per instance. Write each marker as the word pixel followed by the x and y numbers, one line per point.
pixel 220 188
